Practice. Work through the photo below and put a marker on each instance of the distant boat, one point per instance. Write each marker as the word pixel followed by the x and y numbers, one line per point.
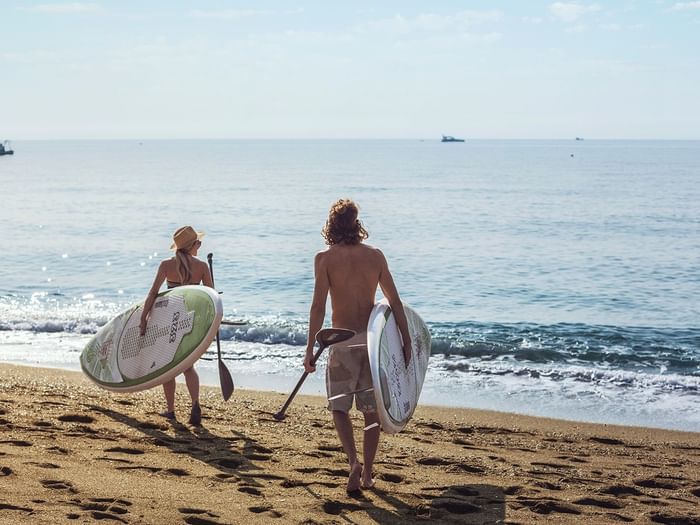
pixel 447 138
pixel 6 149
pixel 579 138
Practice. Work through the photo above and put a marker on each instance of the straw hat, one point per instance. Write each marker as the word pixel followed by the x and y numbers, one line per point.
pixel 184 237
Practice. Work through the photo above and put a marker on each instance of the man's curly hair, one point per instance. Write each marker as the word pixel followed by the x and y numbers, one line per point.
pixel 342 225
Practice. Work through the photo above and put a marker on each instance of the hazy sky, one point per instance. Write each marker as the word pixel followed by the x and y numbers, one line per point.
pixel 330 69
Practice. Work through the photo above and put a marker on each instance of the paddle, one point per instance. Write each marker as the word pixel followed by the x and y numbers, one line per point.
pixel 324 338
pixel 225 379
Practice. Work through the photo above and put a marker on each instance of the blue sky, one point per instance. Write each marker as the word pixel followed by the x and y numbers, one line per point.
pixel 323 69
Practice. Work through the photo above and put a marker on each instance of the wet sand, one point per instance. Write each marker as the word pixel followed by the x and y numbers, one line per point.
pixel 73 453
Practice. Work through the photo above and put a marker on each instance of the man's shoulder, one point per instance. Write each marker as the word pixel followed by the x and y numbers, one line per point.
pixel 340 248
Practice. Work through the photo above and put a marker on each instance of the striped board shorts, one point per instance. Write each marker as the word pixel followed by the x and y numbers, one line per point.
pixel 348 376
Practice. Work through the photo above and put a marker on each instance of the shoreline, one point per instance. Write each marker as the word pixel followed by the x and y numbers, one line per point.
pixel 209 378
pixel 71 451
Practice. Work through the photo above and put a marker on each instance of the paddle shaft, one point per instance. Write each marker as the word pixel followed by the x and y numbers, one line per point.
pixel 280 415
pixel 224 375
pixel 211 271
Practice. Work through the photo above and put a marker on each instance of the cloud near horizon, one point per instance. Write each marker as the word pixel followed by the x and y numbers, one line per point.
pixel 686 6
pixel 67 8
pixel 571 11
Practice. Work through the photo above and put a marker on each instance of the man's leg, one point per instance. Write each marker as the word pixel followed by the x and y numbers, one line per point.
pixel 370 443
pixel 343 426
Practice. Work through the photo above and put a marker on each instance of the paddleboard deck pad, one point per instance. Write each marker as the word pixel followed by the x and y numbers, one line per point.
pixel 182 325
pixel 396 387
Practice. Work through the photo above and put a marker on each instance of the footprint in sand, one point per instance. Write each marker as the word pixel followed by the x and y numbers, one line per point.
pixel 141 467
pixel 607 441
pixel 56 484
pixel 148 425
pixel 455 506
pixel 620 490
pixel 336 507
pixel 547 507
pixel 17 442
pixel 597 502
pixel 670 519
pixel 196 516
pixel 328 447
pixel 250 490
pixel 43 465
pixel 266 509
pixel 125 450
pixel 391 478
pixel 7 506
pixel 76 418
pixel 59 450
pixel 655 484
pixel 434 461
pixel 177 472
pixel 103 508
pixel 291 483
pixel 232 463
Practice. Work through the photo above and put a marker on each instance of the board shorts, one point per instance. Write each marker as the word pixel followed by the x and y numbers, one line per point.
pixel 348 371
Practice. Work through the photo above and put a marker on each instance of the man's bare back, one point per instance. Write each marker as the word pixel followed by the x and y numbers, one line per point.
pixel 354 273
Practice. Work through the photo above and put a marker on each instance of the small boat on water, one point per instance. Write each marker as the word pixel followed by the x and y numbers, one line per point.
pixel 448 138
pixel 6 149
pixel 579 138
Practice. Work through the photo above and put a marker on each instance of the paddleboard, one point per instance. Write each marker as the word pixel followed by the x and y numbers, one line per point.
pixel 396 387
pixel 182 325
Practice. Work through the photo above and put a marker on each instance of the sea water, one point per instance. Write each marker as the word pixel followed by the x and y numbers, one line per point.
pixel 558 278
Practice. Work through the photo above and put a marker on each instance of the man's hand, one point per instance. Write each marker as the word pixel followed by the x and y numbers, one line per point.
pixel 308 365
pixel 407 352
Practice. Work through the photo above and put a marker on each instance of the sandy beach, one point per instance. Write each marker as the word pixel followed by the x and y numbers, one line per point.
pixel 73 453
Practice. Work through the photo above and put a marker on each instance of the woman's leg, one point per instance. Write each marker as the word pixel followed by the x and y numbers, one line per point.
pixel 192 382
pixel 169 391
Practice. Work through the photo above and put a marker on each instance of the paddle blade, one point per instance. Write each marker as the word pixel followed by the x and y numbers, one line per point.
pixel 333 336
pixel 226 381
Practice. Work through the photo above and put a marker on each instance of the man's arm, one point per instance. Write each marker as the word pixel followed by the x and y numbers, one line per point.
pixel 151 297
pixel 386 283
pixel 318 308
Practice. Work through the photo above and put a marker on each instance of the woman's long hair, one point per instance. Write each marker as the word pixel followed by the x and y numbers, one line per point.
pixel 342 225
pixel 182 265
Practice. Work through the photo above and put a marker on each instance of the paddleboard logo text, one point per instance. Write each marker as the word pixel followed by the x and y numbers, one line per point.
pixel 173 327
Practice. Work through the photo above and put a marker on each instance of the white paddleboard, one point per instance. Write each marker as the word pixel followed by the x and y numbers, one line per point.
pixel 396 387
pixel 182 325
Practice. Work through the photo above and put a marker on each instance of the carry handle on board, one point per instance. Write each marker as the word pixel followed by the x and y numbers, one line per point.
pixel 324 338
pixel 225 379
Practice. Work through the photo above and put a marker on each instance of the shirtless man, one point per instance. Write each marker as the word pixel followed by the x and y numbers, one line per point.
pixel 351 272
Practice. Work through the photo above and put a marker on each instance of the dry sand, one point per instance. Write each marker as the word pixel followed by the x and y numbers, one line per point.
pixel 73 453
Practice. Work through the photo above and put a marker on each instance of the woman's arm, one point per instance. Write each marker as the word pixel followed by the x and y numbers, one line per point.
pixel 151 297
pixel 207 279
